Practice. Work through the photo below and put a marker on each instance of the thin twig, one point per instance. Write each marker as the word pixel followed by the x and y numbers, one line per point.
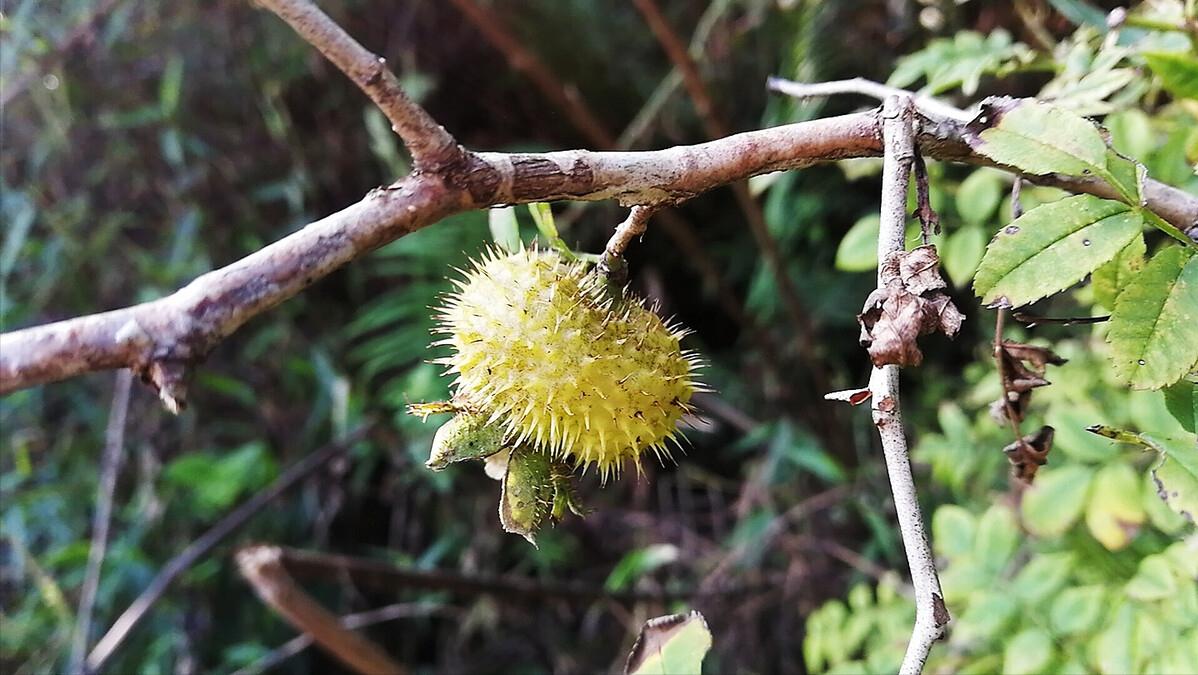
pixel 197 549
pixel 565 97
pixel 383 576
pixel 299 643
pixel 930 613
pixel 1000 361
pixel 263 568
pixel 864 87
pixel 632 227
pixel 110 464
pixel 431 145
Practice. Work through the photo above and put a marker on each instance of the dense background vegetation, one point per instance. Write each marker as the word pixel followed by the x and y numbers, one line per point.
pixel 155 142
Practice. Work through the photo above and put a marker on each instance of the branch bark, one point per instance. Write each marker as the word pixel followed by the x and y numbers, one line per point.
pixel 930 613
pixel 263 568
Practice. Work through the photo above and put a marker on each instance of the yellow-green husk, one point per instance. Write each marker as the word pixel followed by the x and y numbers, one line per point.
pixel 541 346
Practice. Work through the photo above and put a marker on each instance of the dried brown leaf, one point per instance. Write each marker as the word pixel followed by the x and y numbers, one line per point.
pixel 1030 453
pixel 911 303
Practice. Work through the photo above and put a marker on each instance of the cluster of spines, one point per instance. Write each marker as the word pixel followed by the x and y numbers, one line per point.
pixel 542 428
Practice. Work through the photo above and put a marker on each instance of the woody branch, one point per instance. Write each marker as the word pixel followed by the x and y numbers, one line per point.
pixel 164 339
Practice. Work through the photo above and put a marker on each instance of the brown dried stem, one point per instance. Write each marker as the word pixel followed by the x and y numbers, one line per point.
pixel 565 97
pixel 262 566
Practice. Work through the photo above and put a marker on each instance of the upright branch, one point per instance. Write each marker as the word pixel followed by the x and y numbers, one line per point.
pixel 110 464
pixel 930 613
pixel 431 145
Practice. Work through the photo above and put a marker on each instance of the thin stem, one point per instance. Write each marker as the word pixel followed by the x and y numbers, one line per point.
pixel 565 97
pixel 1000 361
pixel 110 463
pixel 864 87
pixel 930 612
pixel 197 549
pixel 299 643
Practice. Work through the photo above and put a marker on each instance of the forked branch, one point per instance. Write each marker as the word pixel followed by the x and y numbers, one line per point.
pixel 162 340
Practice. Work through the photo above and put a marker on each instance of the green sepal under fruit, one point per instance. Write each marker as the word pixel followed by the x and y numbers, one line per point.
pixel 527 498
pixel 465 436
pixel 564 498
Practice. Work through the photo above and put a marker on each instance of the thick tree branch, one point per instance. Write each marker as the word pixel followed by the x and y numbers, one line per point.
pixel 930 612
pixel 162 338
pixel 431 145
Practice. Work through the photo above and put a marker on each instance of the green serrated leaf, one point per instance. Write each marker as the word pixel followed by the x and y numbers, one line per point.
pixel 1038 138
pixel 979 195
pixel 962 253
pixel 1110 279
pixel 1030 651
pixel 1178 72
pixel 1127 176
pixel 1052 247
pixel 858 250
pixel 1154 325
pixel 1181 399
pixel 953 529
pixel 1055 501
pixel 670 645
pixel 505 229
pixel 1176 477
pixel 1077 610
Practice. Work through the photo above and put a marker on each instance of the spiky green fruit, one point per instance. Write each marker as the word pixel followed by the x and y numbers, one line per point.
pixel 543 349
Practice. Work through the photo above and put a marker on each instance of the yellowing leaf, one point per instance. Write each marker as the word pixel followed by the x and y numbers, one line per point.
pixel 670 645
pixel 1110 279
pixel 1115 511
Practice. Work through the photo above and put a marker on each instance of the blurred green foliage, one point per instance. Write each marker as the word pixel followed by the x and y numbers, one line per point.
pixel 151 143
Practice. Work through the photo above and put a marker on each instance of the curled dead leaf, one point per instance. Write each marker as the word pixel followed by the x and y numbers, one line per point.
pixel 1030 453
pixel 911 303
